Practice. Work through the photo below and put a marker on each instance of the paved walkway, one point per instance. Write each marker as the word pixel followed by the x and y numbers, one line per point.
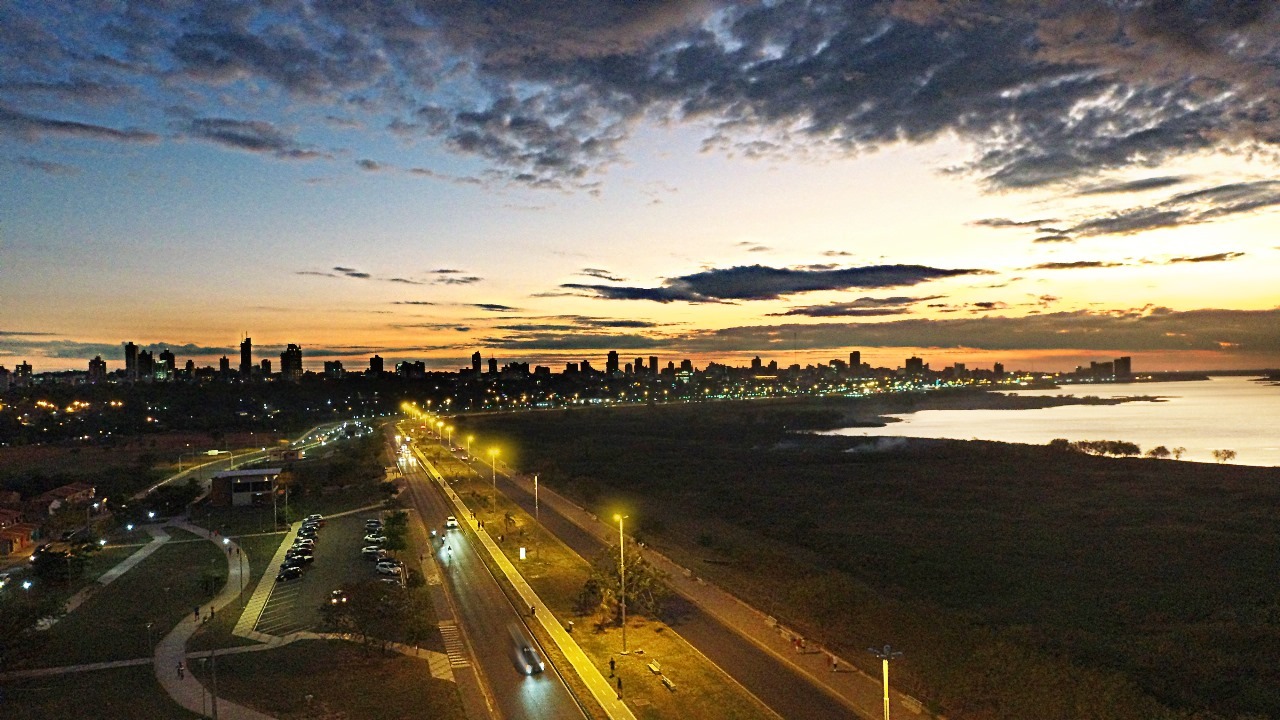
pixel 601 690
pixel 186 690
pixel 158 538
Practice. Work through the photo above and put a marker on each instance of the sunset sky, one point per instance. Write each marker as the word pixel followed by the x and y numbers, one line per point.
pixel 1040 184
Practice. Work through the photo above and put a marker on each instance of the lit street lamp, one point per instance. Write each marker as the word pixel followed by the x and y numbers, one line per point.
pixel 885 656
pixel 469 439
pixel 493 460
pixel 622 578
pixel 535 498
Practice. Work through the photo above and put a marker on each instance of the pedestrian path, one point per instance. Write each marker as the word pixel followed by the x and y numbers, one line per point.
pixel 454 647
pixel 86 667
pixel 171 652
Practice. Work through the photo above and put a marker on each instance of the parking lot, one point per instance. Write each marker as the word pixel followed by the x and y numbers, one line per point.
pixel 295 604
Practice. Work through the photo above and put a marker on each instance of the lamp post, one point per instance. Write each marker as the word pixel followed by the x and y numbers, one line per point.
pixel 469 439
pixel 493 463
pixel 622 578
pixel 440 430
pixel 885 656
pixel 535 498
pixel 448 429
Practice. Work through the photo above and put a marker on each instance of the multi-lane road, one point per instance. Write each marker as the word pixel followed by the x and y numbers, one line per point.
pixel 475 604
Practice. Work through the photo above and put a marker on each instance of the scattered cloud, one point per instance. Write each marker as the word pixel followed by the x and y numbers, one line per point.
pixel 1054 239
pixel 1007 223
pixel 46 166
pixel 1217 257
pixel 758 282
pixel 1075 265
pixel 1130 186
pixel 601 274
pixel 492 307
pixel 31 128
pixel 256 136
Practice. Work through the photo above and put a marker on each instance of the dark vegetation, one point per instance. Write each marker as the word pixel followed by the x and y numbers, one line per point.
pixel 1022 581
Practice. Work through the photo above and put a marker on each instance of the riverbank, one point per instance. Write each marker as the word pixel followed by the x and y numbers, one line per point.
pixel 877 410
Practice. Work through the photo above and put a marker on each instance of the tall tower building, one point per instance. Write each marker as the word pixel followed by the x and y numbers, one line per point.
pixel 475 362
pixel 291 363
pixel 611 363
pixel 22 375
pixel 168 364
pixel 653 364
pixel 493 366
pixel 97 370
pixel 130 362
pixel 246 357
pixel 375 366
pixel 855 360
pixel 224 366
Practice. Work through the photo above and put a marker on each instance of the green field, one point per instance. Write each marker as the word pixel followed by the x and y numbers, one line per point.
pixel 1018 579
pixel 126 692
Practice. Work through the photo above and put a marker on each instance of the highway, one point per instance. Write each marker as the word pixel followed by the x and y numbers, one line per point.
pixel 484 613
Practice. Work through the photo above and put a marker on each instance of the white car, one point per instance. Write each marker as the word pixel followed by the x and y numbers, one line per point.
pixel 450 523
pixel 389 569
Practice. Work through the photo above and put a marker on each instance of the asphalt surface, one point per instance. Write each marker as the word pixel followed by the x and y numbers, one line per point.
pixel 779 687
pixel 295 604
pixel 484 613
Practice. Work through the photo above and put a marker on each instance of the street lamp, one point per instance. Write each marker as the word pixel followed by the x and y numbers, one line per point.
pixel 622 578
pixel 885 656
pixel 448 429
pixel 440 429
pixel 535 498
pixel 493 463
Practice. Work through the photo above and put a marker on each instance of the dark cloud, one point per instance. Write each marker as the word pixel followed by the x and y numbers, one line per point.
pixel 316 273
pixel 1218 257
pixel 405 281
pixel 1076 265
pixel 548 93
pixel 46 166
pixel 256 136
pixel 1188 208
pixel 601 274
pixel 371 165
pixel 24 333
pixel 493 307
pixel 1137 330
pixel 758 282
pixel 413 302
pixel 34 127
pixel 458 279
pixel 841 310
pixel 1007 223
pixel 836 253
pixel 1054 239
pixel 1152 183
pixel 352 273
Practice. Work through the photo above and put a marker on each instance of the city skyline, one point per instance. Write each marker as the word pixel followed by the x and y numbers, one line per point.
pixel 1040 187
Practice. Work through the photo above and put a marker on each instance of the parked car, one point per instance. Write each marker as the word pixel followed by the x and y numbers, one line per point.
pixel 371 552
pixel 391 561
pixel 375 539
pixel 337 597
pixel 303 557
pixel 308 533
pixel 450 523
pixel 373 524
pixel 317 518
pixel 384 569
pixel 304 545
pixel 288 573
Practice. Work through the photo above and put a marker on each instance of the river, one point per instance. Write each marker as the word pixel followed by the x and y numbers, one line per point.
pixel 1234 413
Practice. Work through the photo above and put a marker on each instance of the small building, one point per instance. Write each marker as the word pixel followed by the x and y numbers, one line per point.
pixel 16 538
pixel 237 488
pixel 70 494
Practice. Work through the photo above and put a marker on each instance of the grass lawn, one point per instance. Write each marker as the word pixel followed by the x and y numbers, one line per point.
pixel 557 574
pixel 341 680
pixel 128 692
pixel 112 624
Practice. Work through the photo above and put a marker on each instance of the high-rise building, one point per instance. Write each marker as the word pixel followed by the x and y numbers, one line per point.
pixel 686 365
pixel 639 366
pixel 97 370
pixel 475 362
pixel 998 369
pixel 246 357
pixel 915 366
pixel 611 363
pixel 756 365
pixel 130 362
pixel 1124 367
pixel 224 366
pixel 22 375
pixel 168 363
pixel 855 360
pixel 375 366
pixel 653 364
pixel 146 366
pixel 264 367
pixel 6 378
pixel 493 366
pixel 291 363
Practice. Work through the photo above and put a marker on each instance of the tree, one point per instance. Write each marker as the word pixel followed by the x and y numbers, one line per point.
pixel 395 529
pixel 1178 452
pixel 1224 456
pixel 647 592
pixel 21 613
pixel 1158 452
pixel 373 612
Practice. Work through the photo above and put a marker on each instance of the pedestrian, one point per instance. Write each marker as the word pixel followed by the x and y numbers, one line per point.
pixel 612 666
pixel 533 611
pixel 181 670
pixel 196 611
pixel 833 663
pixel 619 687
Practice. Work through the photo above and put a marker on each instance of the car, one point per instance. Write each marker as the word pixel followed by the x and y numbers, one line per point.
pixel 523 653
pixel 375 539
pixel 384 569
pixel 308 533
pixel 288 573
pixel 338 597
pixel 371 551
pixel 373 524
pixel 304 544
pixel 292 562
pixel 391 561
pixel 450 523
pixel 316 517
pixel 303 557
pixel 391 581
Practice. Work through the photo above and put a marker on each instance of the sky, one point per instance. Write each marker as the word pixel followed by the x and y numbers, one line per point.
pixel 1038 184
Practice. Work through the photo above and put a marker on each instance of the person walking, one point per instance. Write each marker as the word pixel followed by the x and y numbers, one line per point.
pixel 612 666
pixel 619 687
pixel 181 670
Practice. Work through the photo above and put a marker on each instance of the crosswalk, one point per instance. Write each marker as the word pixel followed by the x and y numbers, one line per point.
pixel 454 647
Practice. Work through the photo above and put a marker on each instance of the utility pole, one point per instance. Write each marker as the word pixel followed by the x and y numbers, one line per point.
pixel 213 690
pixel 622 578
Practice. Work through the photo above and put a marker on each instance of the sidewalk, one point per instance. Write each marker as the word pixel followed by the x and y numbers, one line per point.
pixel 172 649
pixel 600 688
pixel 158 538
pixel 849 685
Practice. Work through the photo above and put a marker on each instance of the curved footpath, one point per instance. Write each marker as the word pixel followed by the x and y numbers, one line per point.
pixel 186 690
